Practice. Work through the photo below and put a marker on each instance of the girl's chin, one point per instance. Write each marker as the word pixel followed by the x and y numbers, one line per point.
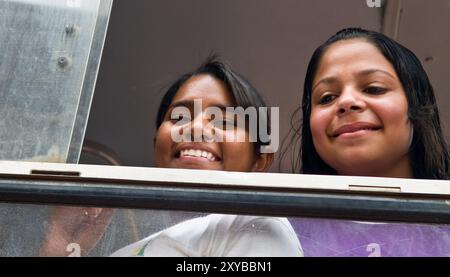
pixel 196 163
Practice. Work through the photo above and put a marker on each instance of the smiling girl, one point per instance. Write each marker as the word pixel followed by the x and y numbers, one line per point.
pixel 369 110
pixel 216 85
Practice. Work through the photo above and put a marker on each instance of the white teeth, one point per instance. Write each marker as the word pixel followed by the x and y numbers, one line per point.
pixel 198 153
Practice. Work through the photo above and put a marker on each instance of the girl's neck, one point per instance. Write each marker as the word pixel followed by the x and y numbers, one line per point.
pixel 402 169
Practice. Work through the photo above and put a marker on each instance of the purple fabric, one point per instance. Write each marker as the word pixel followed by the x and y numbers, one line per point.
pixel 342 238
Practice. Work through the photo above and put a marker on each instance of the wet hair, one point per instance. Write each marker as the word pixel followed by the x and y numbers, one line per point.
pixel 242 92
pixel 429 152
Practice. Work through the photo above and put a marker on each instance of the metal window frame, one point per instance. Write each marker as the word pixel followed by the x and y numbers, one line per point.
pixel 90 79
pixel 221 194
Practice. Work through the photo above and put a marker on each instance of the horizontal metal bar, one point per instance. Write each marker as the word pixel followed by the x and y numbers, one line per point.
pixel 225 200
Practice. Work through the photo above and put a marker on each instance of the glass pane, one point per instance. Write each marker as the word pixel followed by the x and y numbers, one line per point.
pixel 345 238
pixel 78 231
pixel 25 229
pixel 46 76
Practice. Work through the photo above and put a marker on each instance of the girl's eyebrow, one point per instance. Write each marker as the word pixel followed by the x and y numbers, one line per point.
pixel 183 103
pixel 190 104
pixel 332 80
pixel 328 81
pixel 372 71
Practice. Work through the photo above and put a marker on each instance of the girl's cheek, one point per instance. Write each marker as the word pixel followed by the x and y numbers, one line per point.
pixel 235 135
pixel 164 140
pixel 164 131
pixel 319 122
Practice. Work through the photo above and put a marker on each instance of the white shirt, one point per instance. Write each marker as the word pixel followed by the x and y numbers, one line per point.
pixel 218 235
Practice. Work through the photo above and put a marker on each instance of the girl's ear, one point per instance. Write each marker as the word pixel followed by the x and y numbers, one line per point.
pixel 263 162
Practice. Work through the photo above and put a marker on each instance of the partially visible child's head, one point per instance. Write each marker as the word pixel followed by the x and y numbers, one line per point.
pixel 216 85
pixel 369 109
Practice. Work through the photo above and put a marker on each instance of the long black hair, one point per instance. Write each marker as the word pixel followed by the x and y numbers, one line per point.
pixel 242 91
pixel 429 150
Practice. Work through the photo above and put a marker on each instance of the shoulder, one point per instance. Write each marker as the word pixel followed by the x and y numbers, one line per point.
pixel 255 236
pixel 223 235
pixel 236 222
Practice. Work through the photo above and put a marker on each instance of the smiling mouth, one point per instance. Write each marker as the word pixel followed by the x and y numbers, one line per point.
pixel 196 153
pixel 355 130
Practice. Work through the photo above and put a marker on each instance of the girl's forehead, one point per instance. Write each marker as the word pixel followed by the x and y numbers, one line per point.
pixel 210 90
pixel 352 56
pixel 351 51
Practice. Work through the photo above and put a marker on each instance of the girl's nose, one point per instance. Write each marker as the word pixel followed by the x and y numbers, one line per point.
pixel 349 101
pixel 198 128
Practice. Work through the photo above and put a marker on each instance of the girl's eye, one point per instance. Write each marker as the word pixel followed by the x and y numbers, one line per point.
pixel 224 124
pixel 180 118
pixel 326 99
pixel 375 90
